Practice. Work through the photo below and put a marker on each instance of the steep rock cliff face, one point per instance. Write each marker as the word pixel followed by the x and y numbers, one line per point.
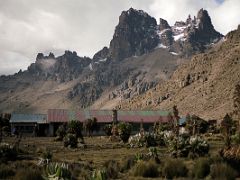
pixel 134 35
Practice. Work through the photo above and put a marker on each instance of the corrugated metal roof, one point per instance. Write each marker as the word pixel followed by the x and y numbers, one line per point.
pixel 28 118
pixel 60 115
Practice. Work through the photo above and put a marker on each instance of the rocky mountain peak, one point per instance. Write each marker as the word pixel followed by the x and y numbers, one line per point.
pixel 163 24
pixel 102 54
pixel 190 36
pixel 41 56
pixel 135 34
pixel 204 21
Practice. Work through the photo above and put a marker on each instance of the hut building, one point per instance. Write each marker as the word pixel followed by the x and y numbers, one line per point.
pixel 29 124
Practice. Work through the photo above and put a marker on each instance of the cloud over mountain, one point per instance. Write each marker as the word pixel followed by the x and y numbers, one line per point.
pixel 31 26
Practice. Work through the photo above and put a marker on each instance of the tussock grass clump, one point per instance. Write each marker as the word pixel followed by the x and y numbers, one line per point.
pixel 174 168
pixel 112 168
pixel 146 169
pixel 201 168
pixel 222 171
pixel 127 163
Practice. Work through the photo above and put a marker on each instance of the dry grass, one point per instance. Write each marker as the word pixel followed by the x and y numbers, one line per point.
pixel 97 152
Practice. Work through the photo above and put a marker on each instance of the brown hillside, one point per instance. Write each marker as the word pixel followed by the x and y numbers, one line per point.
pixel 204 86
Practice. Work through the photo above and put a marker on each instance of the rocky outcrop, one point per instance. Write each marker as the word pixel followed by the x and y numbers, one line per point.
pixel 62 69
pixel 163 24
pixel 191 36
pixel 101 55
pixel 134 35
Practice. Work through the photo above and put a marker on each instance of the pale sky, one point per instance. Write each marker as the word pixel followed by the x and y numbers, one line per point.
pixel 85 26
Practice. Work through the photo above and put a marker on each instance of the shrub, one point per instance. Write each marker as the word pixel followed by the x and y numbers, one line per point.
pixel 108 129
pixel 183 146
pixel 201 169
pixel 222 171
pixel 6 172
pixel 174 168
pixel 112 168
pixel 124 130
pixel 146 169
pixel 150 140
pixel 75 127
pixel 70 140
pixel 99 175
pixel 29 174
pixel 6 130
pixel 7 152
pixel 47 154
pixel 61 132
pixel 57 171
pixel 198 146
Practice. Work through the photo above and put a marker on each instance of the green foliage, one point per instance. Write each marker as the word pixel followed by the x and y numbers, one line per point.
pixel 6 172
pixel 174 168
pixel 201 168
pixel 197 123
pixel 138 157
pixel 108 129
pixel 7 152
pixel 183 146
pixel 99 175
pixel 70 140
pixel 150 140
pixel 198 146
pixel 75 127
pixel 47 154
pixel 222 171
pixel 124 130
pixel 146 169
pixel 61 132
pixel 57 171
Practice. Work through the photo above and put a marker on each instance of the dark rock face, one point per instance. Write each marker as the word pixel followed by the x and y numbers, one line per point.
pixel 102 54
pixel 62 69
pixel 205 32
pixel 163 24
pixel 134 35
pixel 190 36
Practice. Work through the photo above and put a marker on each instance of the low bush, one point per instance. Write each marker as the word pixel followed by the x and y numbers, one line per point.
pixel 108 129
pixel 201 168
pixel 6 130
pixel 222 171
pixel 47 154
pixel 174 168
pixel 57 171
pixel 75 127
pixel 124 131
pixel 70 140
pixel 146 169
pixel 7 152
pixel 61 132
